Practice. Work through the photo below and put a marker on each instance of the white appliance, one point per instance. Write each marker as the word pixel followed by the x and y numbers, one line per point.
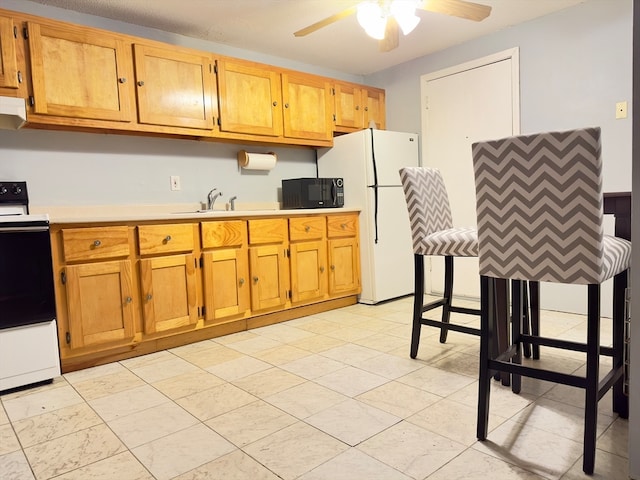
pixel 369 162
pixel 28 333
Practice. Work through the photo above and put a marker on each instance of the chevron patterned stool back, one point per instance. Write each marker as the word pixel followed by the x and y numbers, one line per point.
pixel 540 217
pixel 433 233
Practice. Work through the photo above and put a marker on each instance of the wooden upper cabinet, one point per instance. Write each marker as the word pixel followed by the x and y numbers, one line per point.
pixel 357 105
pixel 8 57
pixel 250 98
pixel 78 72
pixel 307 106
pixel 348 105
pixel 374 107
pixel 174 87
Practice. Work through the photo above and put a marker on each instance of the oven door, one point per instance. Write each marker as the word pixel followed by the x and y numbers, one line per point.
pixel 26 272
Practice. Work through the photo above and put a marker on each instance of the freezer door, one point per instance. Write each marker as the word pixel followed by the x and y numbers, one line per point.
pixel 392 151
pixel 387 266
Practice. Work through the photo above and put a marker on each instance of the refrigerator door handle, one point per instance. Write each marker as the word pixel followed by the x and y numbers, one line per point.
pixel 375 211
pixel 374 186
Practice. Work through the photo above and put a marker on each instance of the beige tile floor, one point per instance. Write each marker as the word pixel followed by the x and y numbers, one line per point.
pixel 326 397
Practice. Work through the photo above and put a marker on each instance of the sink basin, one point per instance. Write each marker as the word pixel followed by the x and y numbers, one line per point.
pixel 195 211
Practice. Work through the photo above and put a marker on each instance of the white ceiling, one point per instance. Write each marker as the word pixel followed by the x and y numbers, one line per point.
pixel 267 26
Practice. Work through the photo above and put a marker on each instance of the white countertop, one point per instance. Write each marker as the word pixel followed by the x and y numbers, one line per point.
pixel 131 213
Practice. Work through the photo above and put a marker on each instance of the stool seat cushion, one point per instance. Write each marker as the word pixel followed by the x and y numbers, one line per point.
pixel 455 242
pixel 616 256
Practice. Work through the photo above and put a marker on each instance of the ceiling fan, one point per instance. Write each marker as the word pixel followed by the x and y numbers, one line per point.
pixel 382 19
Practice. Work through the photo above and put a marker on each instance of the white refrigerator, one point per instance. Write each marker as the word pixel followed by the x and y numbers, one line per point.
pixel 369 161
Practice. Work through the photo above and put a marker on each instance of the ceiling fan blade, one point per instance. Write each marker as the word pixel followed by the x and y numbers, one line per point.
pixel 458 8
pixel 391 36
pixel 325 22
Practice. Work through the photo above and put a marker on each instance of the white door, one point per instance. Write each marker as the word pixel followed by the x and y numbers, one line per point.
pixel 461 105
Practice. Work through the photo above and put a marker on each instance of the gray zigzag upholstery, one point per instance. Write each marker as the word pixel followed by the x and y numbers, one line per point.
pixel 539 205
pixel 540 217
pixel 432 228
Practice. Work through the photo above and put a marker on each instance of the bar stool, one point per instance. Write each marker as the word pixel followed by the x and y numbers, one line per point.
pixel 539 206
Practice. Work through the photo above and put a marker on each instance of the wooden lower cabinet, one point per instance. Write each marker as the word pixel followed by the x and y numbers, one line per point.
pixel 130 289
pixel 344 265
pixel 100 304
pixel 269 276
pixel 168 292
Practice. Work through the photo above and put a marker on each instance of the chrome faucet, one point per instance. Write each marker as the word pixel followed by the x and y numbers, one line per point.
pixel 211 198
pixel 232 202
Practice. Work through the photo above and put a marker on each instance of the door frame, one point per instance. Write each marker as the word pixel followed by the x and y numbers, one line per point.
pixel 512 54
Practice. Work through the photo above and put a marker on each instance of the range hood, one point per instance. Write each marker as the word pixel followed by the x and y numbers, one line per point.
pixel 13 113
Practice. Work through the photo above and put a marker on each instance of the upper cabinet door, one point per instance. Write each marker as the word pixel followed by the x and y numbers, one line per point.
pixel 174 87
pixel 250 99
pixel 307 107
pixel 348 105
pixel 77 72
pixel 374 107
pixel 8 64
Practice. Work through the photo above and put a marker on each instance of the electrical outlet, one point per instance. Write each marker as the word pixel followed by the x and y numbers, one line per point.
pixel 175 182
pixel 621 110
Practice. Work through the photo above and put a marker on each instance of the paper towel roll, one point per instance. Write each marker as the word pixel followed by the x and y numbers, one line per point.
pixel 256 161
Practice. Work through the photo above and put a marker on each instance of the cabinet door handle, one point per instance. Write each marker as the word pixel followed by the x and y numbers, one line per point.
pixel 357 107
pixel 167 239
pixel 149 296
pixel 122 80
pixel 128 300
pixel 255 279
pixel 97 243
pixel 275 104
pixel 241 281
pixel 140 83
pixel 366 109
pixel 286 105
pixel 333 267
pixel 322 269
pixel 307 228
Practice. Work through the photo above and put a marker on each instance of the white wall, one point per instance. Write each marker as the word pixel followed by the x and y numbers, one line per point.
pixel 575 65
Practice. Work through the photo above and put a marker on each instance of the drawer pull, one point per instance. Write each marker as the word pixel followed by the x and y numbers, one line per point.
pixel 255 279
pixel 149 296
pixel 307 228
pixel 97 243
pixel 343 226
pixel 167 239
pixel 241 281
pixel 128 300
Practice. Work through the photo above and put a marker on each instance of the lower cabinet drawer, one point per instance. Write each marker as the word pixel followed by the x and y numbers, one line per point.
pixel 95 243
pixel 153 239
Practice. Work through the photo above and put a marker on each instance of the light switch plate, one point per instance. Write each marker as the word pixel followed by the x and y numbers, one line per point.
pixel 621 110
pixel 175 182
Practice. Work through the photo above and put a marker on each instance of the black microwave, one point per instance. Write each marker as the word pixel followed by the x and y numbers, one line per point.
pixel 312 193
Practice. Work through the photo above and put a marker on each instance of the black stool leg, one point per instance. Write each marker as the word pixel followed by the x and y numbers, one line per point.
pixel 516 328
pixel 620 400
pixel 448 292
pixel 526 346
pixel 534 304
pixel 418 299
pixel 592 379
pixel 487 320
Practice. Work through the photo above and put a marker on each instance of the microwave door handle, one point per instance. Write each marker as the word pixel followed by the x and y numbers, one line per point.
pixel 334 193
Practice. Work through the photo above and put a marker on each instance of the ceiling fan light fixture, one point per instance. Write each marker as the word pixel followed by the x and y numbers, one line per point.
pixel 404 11
pixel 372 19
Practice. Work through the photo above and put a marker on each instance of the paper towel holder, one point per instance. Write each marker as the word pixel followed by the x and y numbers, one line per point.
pixel 243 158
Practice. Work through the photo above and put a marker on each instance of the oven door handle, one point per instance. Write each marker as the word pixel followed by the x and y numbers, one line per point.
pixel 23 229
